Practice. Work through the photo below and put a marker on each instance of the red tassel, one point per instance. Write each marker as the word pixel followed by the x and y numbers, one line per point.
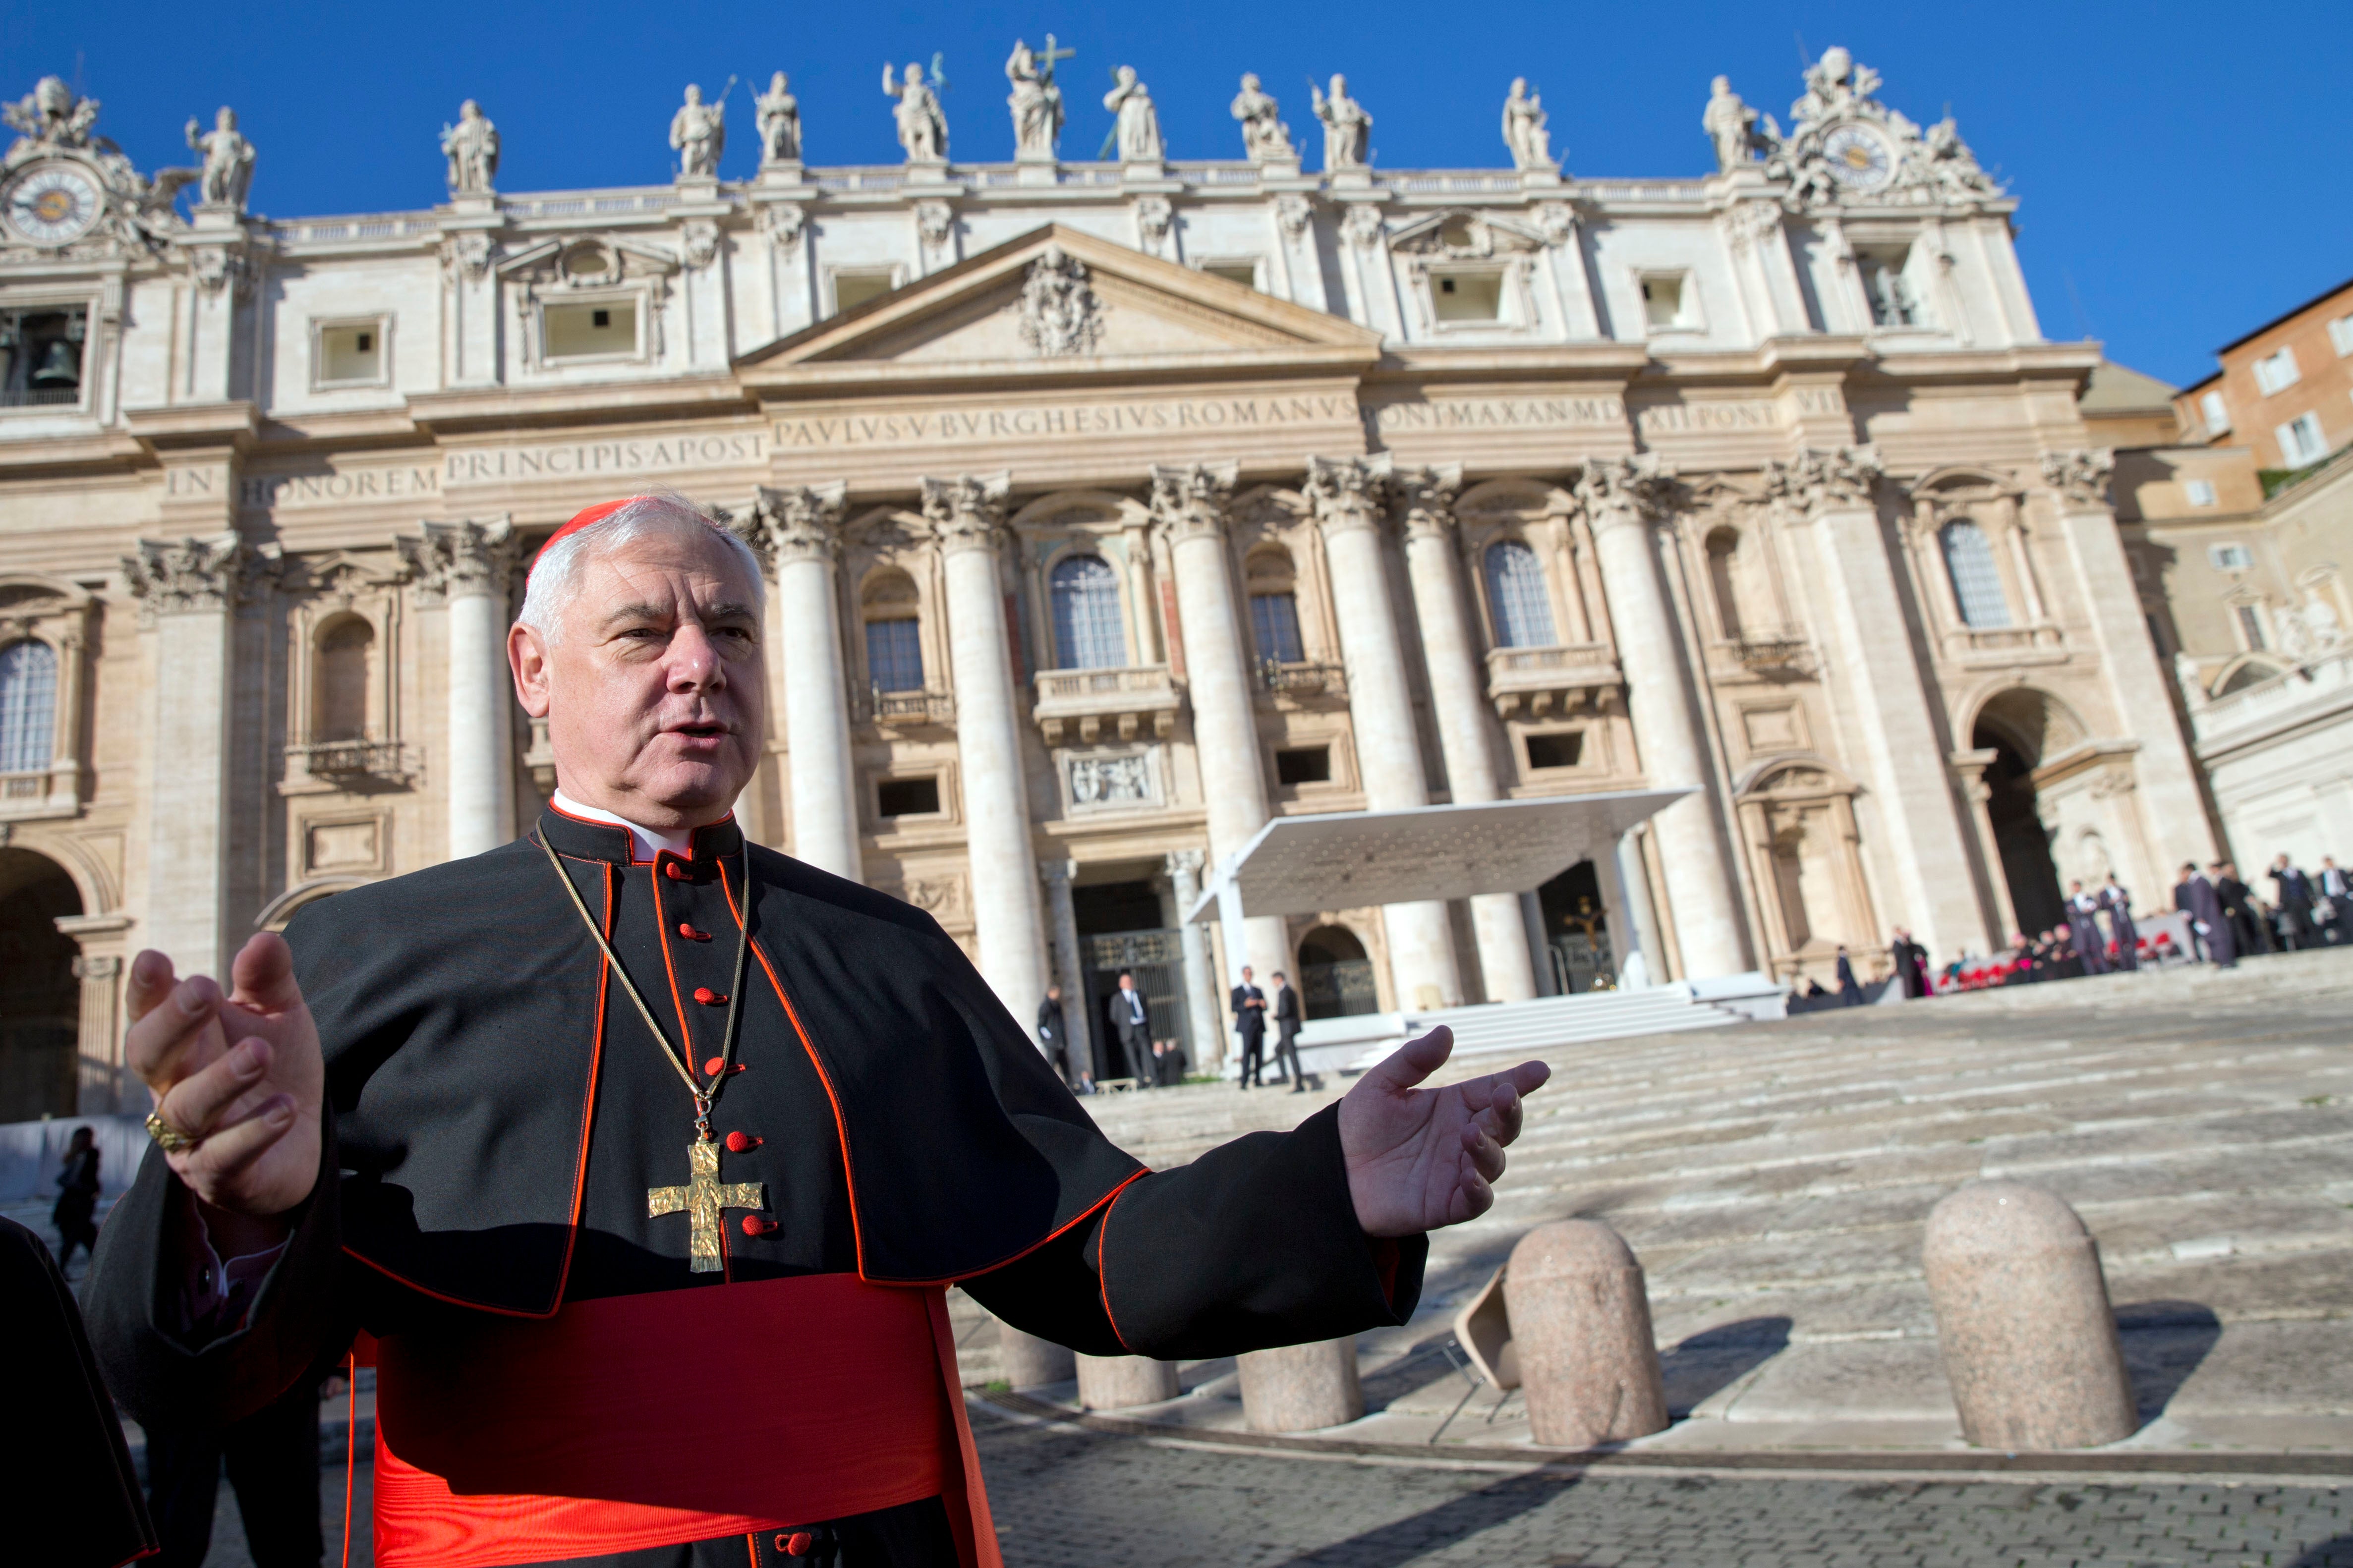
pixel 741 1142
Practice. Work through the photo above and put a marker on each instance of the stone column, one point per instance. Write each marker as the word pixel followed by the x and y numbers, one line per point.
pixel 968 518
pixel 1301 1388
pixel 187 592
pixel 2165 775
pixel 798 528
pixel 1201 992
pixel 1188 506
pixel 1969 772
pixel 102 1081
pixel 1581 1318
pixel 1623 497
pixel 468 563
pixel 1069 965
pixel 1927 843
pixel 1425 502
pixel 1123 1381
pixel 1347 494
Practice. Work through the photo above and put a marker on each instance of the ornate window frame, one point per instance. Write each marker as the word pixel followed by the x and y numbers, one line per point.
pixel 346 586
pixel 57 614
pixel 381 322
pixel 1996 505
pixel 587 270
pixel 881 542
pixel 1791 793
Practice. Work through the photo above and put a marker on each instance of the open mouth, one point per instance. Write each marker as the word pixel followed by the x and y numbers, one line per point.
pixel 703 730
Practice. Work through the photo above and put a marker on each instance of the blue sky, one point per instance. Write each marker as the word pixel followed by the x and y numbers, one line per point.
pixel 2181 168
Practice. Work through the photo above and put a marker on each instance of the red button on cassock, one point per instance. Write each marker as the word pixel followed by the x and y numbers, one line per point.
pixel 741 1142
pixel 711 1067
pixel 797 1543
pixel 755 1226
pixel 675 871
pixel 708 997
pixel 691 935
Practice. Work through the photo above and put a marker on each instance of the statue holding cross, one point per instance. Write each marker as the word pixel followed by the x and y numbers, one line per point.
pixel 1036 103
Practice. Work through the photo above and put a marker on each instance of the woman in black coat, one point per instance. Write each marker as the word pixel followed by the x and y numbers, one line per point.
pixel 78 1196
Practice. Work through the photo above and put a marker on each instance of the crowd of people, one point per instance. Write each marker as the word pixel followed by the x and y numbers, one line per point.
pixel 2224 919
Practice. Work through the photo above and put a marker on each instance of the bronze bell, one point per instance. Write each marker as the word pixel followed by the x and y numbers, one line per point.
pixel 60 366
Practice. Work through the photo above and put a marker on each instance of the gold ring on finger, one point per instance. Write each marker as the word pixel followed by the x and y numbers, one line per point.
pixel 173 1140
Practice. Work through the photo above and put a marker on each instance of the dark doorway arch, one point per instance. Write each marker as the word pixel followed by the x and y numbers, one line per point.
pixel 1335 978
pixel 1576 932
pixel 40 999
pixel 2023 729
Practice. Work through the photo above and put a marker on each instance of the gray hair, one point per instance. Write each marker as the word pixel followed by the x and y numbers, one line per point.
pixel 554 579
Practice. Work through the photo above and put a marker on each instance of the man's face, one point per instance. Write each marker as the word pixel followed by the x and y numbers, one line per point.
pixel 1127 982
pixel 654 690
pixel 1246 975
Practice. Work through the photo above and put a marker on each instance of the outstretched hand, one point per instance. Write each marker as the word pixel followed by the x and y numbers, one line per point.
pixel 1421 1157
pixel 242 1075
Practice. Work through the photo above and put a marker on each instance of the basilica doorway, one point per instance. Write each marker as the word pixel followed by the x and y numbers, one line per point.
pixel 2017 727
pixel 1122 926
pixel 1576 932
pixel 1335 978
pixel 40 999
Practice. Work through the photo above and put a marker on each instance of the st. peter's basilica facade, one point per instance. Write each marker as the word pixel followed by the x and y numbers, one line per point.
pixel 1113 509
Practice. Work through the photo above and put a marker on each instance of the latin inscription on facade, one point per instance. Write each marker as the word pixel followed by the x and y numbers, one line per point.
pixel 1109 417
pixel 287 492
pixel 1677 419
pixel 1383 420
pixel 622 455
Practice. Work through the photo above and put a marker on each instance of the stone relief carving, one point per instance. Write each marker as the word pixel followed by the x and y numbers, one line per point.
pixel 1035 102
pixel 935 221
pixel 795 522
pixel 967 512
pixel 698 135
pixel 1523 127
pixel 923 123
pixel 2081 477
pixel 1111 781
pixel 1153 217
pixel 1191 498
pixel 1734 128
pixel 187 576
pixel 1844 144
pixel 1636 488
pixel 1060 313
pixel 215 266
pixel 52 115
pixel 454 558
pixel 1348 127
pixel 1556 220
pixel 780 221
pixel 697 242
pixel 941 897
pixel 1265 138
pixel 227 173
pixel 1363 225
pixel 1842 476
pixel 1291 211
pixel 1460 235
pixel 471 146
pixel 87 200
pixel 1752 224
pixel 1348 492
pixel 1424 496
pixel 778 115
pixel 468 253
pixel 1137 129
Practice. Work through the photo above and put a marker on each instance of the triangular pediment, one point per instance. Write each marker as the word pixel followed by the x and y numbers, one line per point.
pixel 1097 302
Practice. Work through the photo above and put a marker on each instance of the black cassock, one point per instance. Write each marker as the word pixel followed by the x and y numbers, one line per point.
pixel 499 1116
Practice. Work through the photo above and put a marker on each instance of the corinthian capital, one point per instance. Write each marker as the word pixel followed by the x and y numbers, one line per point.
pixel 1625 489
pixel 178 577
pixel 1348 492
pixel 1814 478
pixel 967 512
pixel 1190 499
pixel 797 522
pixel 2081 477
pixel 1424 498
pixel 453 559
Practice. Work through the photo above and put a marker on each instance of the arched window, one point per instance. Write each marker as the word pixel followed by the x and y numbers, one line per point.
pixel 342 681
pixel 1976 582
pixel 1516 596
pixel 1722 546
pixel 1087 634
pixel 28 706
pixel 1274 605
pixel 892 612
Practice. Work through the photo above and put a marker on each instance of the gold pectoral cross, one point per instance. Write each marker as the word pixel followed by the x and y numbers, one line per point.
pixel 702 1198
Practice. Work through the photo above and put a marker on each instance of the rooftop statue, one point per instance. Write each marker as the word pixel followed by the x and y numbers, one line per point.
pixel 1523 127
pixel 1835 85
pixel 472 148
pixel 779 118
pixel 1733 126
pixel 1035 102
pixel 51 116
pixel 698 135
pixel 1347 129
pixel 1265 137
pixel 227 173
pixel 1138 130
pixel 923 124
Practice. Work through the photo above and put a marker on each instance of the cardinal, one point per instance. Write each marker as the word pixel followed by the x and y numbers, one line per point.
pixel 637 1157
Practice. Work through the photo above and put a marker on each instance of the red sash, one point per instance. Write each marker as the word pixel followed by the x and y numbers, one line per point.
pixel 640 1421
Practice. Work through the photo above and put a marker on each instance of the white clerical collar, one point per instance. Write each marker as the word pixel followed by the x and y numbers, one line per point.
pixel 645 842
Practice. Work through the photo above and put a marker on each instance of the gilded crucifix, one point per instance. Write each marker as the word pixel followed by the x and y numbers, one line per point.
pixel 702 1198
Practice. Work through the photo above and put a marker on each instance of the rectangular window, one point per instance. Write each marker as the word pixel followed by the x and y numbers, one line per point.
pixel 2199 491
pixel 590 332
pixel 894 654
pixel 854 286
pixel 2216 413
pixel 2275 372
pixel 2340 335
pixel 1560 749
pixel 1467 296
pixel 351 354
pixel 2251 628
pixel 1307 764
pixel 1274 622
pixel 2301 440
pixel 907 797
pixel 2230 557
pixel 1665 299
pixel 41 356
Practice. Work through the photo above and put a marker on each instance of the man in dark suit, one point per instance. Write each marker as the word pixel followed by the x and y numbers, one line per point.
pixel 2293 895
pixel 2195 896
pixel 1131 1027
pixel 1286 1032
pixel 1250 1021
pixel 1911 962
pixel 1850 992
pixel 1052 1038
pixel 2241 909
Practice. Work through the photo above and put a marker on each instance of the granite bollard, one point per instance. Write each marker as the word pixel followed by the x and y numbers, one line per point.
pixel 1299 1388
pixel 1121 1382
pixel 1029 1362
pixel 1580 1328
pixel 2023 1317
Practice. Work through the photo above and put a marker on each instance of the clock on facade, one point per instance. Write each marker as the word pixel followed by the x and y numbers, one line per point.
pixel 1858 158
pixel 52 203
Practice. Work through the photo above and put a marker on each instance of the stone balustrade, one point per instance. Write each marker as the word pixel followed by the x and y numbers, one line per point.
pixel 1128 700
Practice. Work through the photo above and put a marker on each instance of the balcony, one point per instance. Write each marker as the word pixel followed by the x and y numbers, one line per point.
pixel 1302 681
pixel 906 710
pixel 1531 683
pixel 355 766
pixel 1126 701
pixel 53 790
pixel 1769 653
pixel 2043 644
